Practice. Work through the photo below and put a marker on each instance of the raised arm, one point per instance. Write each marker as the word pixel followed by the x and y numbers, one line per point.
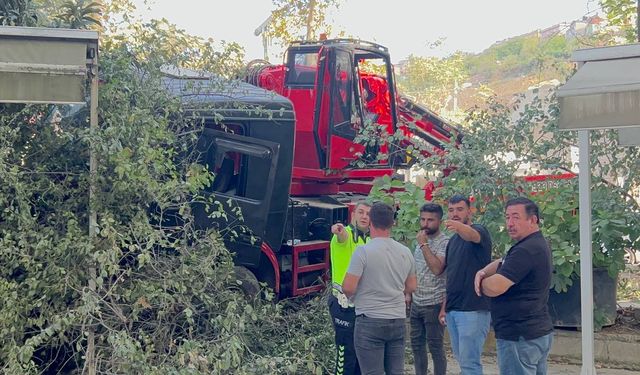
pixel 434 262
pixel 341 233
pixel 467 232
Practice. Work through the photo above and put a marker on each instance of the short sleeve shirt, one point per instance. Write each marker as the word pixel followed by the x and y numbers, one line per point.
pixel 463 260
pixel 522 310
pixel 383 266
pixel 431 288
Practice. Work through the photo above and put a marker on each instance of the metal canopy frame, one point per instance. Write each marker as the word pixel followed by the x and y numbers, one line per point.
pixel 603 94
pixel 43 65
pixel 46 65
pixel 36 62
pixel 605 91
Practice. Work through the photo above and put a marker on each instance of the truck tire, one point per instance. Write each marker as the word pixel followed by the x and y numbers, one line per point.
pixel 246 282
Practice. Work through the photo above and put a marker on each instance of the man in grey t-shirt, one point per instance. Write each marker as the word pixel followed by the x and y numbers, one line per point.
pixel 379 275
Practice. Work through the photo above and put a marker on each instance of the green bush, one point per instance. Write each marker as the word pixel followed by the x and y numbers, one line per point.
pixel 151 299
pixel 497 144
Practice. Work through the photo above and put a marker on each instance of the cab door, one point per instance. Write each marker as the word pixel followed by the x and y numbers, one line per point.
pixel 243 187
pixel 321 115
pixel 344 117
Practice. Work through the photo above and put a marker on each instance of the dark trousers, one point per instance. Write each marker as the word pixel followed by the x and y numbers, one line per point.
pixel 427 330
pixel 343 325
pixel 380 345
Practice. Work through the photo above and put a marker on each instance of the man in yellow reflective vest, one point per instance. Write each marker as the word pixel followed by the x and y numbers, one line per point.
pixel 343 244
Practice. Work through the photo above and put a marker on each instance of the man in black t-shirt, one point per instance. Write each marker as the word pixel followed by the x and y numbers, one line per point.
pixel 519 286
pixel 467 314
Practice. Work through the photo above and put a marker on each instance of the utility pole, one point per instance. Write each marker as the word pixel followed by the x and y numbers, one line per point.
pixel 312 7
pixel 638 20
pixel 262 31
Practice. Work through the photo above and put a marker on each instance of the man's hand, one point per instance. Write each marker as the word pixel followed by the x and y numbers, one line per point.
pixel 453 225
pixel 463 230
pixel 434 262
pixel 407 299
pixel 337 229
pixel 340 232
pixel 442 317
pixel 421 237
pixel 477 283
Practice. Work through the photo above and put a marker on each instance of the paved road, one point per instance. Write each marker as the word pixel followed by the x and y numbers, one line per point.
pixel 555 368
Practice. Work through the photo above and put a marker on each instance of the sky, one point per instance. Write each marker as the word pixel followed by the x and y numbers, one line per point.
pixel 404 26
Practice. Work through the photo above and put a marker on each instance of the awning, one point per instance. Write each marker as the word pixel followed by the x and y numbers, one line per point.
pixel 629 137
pixel 40 65
pixel 605 92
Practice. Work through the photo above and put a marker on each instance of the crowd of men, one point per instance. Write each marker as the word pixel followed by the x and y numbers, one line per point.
pixel 447 282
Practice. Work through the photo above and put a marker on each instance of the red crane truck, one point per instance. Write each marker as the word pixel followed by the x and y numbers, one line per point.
pixel 289 166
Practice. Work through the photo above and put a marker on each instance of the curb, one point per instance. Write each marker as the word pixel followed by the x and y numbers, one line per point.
pixel 615 350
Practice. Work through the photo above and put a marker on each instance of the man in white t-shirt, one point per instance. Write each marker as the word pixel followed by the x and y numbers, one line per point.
pixel 381 272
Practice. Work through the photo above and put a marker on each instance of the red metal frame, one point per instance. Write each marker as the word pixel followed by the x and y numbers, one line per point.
pixel 268 252
pixel 305 152
pixel 343 152
pixel 356 186
pixel 318 182
pixel 541 183
pixel 367 173
pixel 545 177
pixel 306 188
pixel 297 269
pixel 318 174
pixel 310 173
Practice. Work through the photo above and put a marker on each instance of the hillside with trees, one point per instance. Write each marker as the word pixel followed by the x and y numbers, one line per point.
pixel 462 81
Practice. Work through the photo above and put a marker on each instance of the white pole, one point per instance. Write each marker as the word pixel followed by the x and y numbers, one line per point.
pixel 586 262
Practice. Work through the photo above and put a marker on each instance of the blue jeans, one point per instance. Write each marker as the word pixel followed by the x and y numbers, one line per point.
pixel 380 345
pixel 524 357
pixel 467 331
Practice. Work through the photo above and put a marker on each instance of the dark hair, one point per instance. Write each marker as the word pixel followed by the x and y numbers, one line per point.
pixel 530 207
pixel 381 216
pixel 362 203
pixel 433 208
pixel 457 198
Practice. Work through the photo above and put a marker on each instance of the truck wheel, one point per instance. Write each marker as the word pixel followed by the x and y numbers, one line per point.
pixel 246 282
